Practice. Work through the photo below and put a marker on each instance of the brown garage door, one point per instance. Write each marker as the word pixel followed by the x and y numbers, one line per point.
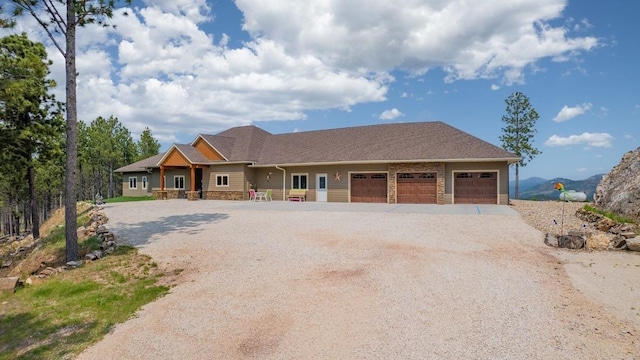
pixel 369 188
pixel 475 188
pixel 417 188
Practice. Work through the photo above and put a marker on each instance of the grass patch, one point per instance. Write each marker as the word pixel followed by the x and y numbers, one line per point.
pixel 609 215
pixel 66 313
pixel 74 309
pixel 129 199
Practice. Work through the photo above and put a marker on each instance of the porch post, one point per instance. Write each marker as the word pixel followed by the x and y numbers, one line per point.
pixel 192 194
pixel 193 178
pixel 162 194
pixel 161 177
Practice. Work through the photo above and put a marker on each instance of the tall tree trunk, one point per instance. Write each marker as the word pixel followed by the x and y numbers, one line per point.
pixel 110 179
pixel 70 211
pixel 10 215
pixel 100 181
pixel 35 214
pixel 517 182
pixel 83 192
pixel 26 215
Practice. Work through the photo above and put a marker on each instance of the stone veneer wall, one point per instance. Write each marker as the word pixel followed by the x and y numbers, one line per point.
pixel 223 195
pixel 171 194
pixel 416 168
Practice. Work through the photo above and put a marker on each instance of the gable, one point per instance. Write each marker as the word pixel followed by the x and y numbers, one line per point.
pixel 207 150
pixel 175 158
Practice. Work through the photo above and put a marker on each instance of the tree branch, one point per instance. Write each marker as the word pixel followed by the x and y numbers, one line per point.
pixel 55 16
pixel 31 10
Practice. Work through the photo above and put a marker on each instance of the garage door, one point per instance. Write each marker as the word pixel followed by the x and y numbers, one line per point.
pixel 417 188
pixel 475 188
pixel 371 188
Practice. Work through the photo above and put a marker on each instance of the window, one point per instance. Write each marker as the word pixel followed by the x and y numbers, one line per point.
pixel 222 180
pixel 487 176
pixel 379 176
pixel 133 182
pixel 144 182
pixel 358 176
pixel 464 176
pixel 178 182
pixel 405 176
pixel 427 176
pixel 299 181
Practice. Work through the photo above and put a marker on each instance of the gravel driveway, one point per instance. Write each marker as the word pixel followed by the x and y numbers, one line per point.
pixel 263 282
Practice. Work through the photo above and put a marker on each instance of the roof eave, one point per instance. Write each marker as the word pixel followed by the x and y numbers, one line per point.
pixel 353 162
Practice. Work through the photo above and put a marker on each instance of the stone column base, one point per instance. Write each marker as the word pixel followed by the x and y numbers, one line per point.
pixel 160 195
pixel 193 195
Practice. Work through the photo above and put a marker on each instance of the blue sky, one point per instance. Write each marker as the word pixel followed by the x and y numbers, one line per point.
pixel 185 67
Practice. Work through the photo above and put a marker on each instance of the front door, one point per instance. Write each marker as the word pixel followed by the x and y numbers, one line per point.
pixel 321 187
pixel 198 182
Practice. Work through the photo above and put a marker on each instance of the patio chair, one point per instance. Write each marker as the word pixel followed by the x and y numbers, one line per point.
pixel 267 195
pixel 252 195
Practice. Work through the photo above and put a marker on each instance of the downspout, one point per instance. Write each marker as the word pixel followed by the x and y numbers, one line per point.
pixel 284 182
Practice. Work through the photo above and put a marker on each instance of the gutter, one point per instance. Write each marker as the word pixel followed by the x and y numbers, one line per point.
pixel 284 182
pixel 351 162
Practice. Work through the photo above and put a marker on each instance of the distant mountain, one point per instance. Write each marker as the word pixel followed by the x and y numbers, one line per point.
pixel 536 188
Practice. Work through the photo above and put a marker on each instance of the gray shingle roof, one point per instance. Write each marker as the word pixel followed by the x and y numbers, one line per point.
pixel 141 165
pixel 420 141
pixel 435 141
pixel 193 155
pixel 242 143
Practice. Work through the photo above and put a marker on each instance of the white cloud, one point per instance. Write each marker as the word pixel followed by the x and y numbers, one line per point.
pixel 498 40
pixel 495 87
pixel 587 139
pixel 567 113
pixel 583 25
pixel 583 169
pixel 390 114
pixel 160 68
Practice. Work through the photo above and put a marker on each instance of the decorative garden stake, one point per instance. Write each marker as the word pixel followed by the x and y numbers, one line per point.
pixel 560 187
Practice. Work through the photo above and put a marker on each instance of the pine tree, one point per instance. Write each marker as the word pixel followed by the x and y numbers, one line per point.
pixel 147 145
pixel 518 135
pixel 78 13
pixel 29 115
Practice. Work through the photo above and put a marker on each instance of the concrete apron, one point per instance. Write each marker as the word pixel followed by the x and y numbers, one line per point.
pixel 456 209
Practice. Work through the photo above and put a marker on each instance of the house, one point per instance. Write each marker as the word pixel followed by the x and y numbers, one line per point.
pixel 422 162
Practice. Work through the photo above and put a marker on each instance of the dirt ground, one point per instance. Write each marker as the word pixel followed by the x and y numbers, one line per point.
pixel 260 283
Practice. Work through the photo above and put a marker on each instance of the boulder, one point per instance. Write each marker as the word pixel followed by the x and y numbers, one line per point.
pixel 605 224
pixel 619 190
pixel 74 264
pixel 33 280
pixel 633 244
pixel 9 283
pixel 82 232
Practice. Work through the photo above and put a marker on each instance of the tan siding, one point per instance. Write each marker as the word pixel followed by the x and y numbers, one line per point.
pixel 139 191
pixel 237 179
pixel 170 175
pixel 175 158
pixel 337 190
pixel 207 150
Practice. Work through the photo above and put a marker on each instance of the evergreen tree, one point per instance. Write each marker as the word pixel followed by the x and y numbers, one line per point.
pixel 29 114
pixel 78 13
pixel 518 134
pixel 147 145
pixel 105 146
